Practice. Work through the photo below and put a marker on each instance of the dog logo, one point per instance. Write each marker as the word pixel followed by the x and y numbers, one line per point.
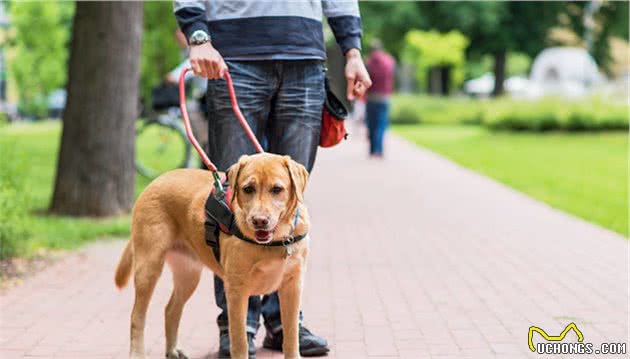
pixel 552 338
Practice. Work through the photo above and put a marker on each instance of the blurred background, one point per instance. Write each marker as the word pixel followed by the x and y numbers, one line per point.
pixel 533 94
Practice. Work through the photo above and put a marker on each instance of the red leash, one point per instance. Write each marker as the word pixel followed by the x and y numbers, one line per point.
pixel 235 108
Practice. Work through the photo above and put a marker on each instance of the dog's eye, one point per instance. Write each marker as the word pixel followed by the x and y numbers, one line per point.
pixel 249 189
pixel 276 189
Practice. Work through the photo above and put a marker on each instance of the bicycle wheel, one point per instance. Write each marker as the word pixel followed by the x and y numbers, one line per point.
pixel 161 146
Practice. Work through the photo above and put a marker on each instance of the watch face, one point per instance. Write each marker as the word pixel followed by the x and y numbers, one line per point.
pixel 199 37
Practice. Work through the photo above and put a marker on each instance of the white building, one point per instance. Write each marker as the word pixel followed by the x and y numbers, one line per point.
pixel 563 71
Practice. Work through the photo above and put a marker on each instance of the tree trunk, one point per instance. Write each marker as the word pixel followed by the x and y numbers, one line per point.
pixel 434 85
pixel 499 72
pixel 95 169
pixel 445 80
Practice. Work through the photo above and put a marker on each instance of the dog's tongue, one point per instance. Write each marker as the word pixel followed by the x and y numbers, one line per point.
pixel 262 235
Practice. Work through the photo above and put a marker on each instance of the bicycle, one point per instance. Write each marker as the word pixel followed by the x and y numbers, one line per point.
pixel 161 144
pixel 161 140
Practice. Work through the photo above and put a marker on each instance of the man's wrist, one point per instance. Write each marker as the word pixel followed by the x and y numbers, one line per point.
pixel 208 44
pixel 353 54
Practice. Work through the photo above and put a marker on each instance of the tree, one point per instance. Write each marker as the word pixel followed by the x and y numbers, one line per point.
pixel 39 51
pixel 493 27
pixel 610 19
pixel 497 27
pixel 95 169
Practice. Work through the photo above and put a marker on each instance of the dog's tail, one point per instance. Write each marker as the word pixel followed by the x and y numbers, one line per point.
pixel 123 270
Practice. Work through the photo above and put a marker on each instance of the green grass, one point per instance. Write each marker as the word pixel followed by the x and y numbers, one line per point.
pixel 584 174
pixel 34 147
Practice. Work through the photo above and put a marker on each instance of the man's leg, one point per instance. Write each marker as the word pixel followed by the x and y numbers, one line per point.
pixel 270 309
pixel 296 116
pixel 294 130
pixel 372 124
pixel 381 126
pixel 227 142
pixel 254 83
pixel 385 123
pixel 253 314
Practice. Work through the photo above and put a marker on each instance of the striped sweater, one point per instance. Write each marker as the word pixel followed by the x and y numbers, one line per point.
pixel 271 29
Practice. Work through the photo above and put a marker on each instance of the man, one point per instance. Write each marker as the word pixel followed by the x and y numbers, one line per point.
pixel 381 67
pixel 274 51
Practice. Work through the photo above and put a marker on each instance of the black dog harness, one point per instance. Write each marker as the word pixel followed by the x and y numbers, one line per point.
pixel 220 218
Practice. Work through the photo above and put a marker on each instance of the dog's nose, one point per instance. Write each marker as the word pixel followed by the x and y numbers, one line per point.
pixel 260 221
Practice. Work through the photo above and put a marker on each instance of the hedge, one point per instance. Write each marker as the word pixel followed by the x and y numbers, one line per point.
pixel 412 109
pixel 589 115
pixel 593 114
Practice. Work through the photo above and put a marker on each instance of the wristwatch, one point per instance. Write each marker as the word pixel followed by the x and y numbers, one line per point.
pixel 198 37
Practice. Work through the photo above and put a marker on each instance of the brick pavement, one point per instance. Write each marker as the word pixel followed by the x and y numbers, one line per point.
pixel 412 257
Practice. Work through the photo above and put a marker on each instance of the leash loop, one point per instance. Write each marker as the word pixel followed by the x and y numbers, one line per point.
pixel 189 132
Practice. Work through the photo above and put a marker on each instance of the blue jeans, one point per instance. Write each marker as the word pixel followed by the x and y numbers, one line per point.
pixel 282 102
pixel 377 118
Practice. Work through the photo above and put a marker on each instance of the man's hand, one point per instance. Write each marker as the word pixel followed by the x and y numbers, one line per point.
pixel 356 75
pixel 207 62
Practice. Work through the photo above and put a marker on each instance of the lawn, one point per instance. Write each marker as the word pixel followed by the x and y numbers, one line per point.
pixel 585 174
pixel 31 150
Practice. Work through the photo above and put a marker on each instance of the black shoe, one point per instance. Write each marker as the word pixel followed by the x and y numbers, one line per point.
pixel 224 345
pixel 311 345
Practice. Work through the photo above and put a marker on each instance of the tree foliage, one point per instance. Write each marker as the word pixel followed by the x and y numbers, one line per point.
pixel 611 19
pixel 39 50
pixel 427 49
pixel 160 52
pixel 390 21
pixel 39 62
pixel 493 27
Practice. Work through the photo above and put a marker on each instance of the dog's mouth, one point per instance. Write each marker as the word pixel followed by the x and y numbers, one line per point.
pixel 263 237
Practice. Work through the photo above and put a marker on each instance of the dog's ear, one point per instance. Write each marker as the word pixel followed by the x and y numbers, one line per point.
pixel 232 174
pixel 298 175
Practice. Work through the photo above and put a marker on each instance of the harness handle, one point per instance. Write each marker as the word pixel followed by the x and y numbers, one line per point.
pixel 235 108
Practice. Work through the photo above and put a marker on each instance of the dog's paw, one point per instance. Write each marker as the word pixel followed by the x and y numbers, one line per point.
pixel 176 354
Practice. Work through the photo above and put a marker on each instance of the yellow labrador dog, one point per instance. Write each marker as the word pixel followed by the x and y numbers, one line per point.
pixel 168 226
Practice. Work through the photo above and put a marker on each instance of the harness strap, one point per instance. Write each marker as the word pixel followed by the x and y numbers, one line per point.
pixel 217 216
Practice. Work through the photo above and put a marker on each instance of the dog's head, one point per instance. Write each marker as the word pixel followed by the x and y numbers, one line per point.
pixel 267 190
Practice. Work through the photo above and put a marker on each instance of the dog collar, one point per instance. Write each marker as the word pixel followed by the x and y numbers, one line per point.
pixel 289 240
pixel 286 243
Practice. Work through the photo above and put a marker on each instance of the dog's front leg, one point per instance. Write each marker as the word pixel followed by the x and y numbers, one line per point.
pixel 237 301
pixel 290 296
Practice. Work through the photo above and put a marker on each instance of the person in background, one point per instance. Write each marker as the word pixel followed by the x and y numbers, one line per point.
pixel 381 67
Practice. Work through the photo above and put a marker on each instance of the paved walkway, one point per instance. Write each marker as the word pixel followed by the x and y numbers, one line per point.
pixel 413 257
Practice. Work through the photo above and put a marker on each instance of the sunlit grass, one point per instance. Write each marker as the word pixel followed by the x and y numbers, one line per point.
pixel 584 174
pixel 34 146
